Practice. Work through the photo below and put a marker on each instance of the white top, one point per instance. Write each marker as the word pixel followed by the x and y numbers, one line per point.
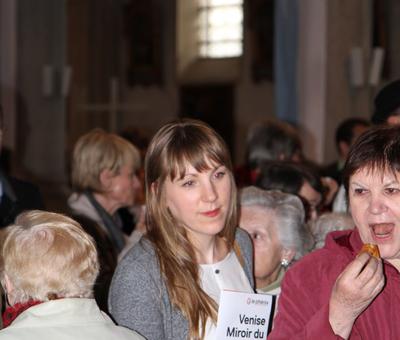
pixel 276 291
pixel 66 319
pixel 227 274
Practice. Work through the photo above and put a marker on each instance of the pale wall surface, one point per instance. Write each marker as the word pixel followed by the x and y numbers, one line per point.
pixel 328 100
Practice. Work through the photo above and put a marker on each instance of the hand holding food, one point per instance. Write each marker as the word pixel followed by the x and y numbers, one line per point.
pixel 355 288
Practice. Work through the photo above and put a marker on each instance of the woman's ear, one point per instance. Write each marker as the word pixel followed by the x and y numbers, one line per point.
pixel 8 288
pixel 7 283
pixel 288 254
pixel 106 177
pixel 393 120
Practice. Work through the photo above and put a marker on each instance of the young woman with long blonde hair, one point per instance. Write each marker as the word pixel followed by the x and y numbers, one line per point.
pixel 168 285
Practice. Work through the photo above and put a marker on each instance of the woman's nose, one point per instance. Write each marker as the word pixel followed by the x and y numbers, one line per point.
pixel 376 205
pixel 209 192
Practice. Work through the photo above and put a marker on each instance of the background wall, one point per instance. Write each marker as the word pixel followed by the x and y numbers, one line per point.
pixel 349 26
pixel 72 32
pixel 40 134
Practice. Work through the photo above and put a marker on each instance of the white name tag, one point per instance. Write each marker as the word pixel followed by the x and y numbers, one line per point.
pixel 243 315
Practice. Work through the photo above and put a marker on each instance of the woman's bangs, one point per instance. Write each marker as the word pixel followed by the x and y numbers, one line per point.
pixel 202 158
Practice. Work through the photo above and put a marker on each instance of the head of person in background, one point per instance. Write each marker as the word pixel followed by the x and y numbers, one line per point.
pixel 294 178
pixel 387 105
pixel 275 222
pixel 104 179
pixel 272 140
pixel 49 266
pixel 346 134
pixel 327 223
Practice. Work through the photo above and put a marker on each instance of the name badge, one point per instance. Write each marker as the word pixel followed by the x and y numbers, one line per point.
pixel 243 315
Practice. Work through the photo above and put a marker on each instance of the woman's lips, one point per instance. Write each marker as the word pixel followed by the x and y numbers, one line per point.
pixel 211 213
pixel 382 231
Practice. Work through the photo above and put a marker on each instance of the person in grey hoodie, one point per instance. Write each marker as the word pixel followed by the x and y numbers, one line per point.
pixel 168 285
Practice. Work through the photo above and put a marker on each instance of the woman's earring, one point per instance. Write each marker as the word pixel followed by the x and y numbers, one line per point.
pixel 284 263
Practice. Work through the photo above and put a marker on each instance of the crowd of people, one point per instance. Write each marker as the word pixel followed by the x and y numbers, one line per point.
pixel 155 234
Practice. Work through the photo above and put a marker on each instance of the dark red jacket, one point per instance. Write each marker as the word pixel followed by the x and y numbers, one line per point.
pixel 307 286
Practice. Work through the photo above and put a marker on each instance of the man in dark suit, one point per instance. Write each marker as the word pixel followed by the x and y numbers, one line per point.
pixel 15 195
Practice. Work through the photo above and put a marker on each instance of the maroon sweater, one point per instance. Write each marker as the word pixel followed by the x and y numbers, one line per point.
pixel 307 286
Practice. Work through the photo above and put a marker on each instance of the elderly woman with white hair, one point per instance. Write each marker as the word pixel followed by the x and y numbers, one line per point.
pixel 49 266
pixel 275 222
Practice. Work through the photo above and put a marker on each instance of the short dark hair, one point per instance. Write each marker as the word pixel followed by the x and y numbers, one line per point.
pixel 281 176
pixel 386 102
pixel 377 149
pixel 288 177
pixel 345 130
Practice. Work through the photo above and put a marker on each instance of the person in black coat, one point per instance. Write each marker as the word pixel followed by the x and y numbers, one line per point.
pixel 16 195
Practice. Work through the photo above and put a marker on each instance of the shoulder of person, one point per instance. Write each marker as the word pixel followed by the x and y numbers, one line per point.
pixel 20 185
pixel 329 260
pixel 143 251
pixel 127 334
pixel 140 261
pixel 337 245
pixel 243 238
pixel 24 195
pixel 341 242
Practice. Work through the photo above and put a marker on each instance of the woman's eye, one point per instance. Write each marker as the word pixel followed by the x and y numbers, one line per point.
pixel 220 174
pixel 392 191
pixel 359 191
pixel 188 184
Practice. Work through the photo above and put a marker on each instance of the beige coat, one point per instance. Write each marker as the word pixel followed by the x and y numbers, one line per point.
pixel 66 319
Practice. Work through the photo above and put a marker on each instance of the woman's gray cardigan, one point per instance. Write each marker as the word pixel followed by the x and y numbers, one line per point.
pixel 138 295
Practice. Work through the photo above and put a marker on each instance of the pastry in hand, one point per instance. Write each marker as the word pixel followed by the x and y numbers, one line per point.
pixel 371 249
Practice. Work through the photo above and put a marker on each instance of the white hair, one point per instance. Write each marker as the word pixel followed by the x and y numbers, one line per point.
pixel 289 213
pixel 46 256
pixel 329 222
